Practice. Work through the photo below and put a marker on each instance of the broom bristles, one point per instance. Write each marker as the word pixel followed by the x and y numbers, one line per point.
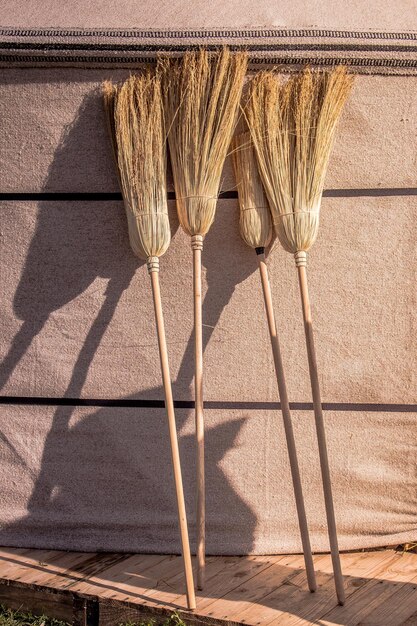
pixel 201 95
pixel 255 218
pixel 136 122
pixel 293 126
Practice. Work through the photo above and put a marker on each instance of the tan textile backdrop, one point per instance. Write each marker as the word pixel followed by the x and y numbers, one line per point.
pixel 77 322
pixel 170 14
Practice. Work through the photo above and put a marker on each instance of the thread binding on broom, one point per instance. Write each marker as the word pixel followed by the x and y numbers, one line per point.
pixel 197 242
pixel 311 212
pixel 153 264
pixel 199 197
pixel 255 208
pixel 300 258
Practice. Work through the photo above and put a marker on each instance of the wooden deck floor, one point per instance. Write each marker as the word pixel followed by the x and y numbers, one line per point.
pixel 107 588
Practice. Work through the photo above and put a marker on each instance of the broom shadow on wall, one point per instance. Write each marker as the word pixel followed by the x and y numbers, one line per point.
pixel 109 472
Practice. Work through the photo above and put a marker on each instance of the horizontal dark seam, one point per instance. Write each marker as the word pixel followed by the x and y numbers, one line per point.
pixel 108 47
pixel 205 34
pixel 51 196
pixel 209 404
pixel 84 196
pixel 355 62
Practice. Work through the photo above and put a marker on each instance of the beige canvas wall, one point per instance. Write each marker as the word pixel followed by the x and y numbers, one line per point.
pixel 54 136
pixel 77 321
pixel 170 14
pixel 100 479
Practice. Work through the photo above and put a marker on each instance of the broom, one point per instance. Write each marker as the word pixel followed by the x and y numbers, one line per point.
pixel 293 125
pixel 136 120
pixel 201 96
pixel 256 230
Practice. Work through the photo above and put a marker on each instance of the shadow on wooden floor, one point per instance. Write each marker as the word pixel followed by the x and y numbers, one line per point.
pixel 381 588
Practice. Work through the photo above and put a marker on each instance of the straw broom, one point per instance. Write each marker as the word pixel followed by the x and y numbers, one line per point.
pixel 293 126
pixel 256 230
pixel 136 122
pixel 202 95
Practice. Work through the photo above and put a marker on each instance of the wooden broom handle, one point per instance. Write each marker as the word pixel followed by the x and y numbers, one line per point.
pixel 301 262
pixel 197 246
pixel 153 268
pixel 286 414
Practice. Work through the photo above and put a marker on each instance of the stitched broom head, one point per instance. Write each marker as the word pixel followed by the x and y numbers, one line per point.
pixel 293 126
pixel 201 96
pixel 255 222
pixel 136 121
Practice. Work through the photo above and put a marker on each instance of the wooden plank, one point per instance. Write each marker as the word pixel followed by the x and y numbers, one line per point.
pixel 164 584
pixel 170 589
pixel 232 577
pixel 217 570
pixel 141 562
pixel 286 572
pixel 22 597
pixel 143 587
pixel 54 572
pixel 165 592
pixel 131 578
pixel 247 583
pixel 26 566
pixel 402 568
pixel 396 609
pixel 6 553
pixel 257 590
pixel 272 604
pixel 10 559
pixel 102 561
pixel 411 621
pixel 297 608
pixel 79 571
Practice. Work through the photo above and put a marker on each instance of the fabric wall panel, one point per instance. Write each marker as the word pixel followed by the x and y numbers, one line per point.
pixel 77 314
pixel 54 136
pixel 77 317
pixel 235 14
pixel 100 479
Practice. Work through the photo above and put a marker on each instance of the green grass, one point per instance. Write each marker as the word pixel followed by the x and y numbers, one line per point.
pixel 16 618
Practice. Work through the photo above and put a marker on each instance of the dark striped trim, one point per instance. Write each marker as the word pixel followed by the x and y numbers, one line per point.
pixel 287 47
pixel 360 62
pixel 387 53
pixel 356 62
pixel 268 33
